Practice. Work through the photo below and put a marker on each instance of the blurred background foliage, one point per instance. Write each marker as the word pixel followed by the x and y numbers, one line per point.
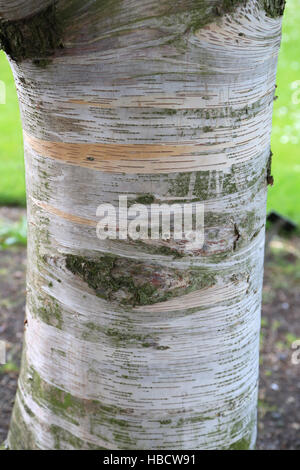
pixel 283 196
pixel 12 180
pixel 13 233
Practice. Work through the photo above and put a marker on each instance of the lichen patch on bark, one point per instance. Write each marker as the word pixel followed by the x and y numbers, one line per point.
pixel 134 283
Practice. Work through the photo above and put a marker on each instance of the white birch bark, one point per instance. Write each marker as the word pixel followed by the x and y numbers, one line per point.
pixel 132 345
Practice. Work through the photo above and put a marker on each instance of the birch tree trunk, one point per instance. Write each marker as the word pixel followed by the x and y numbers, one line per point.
pixel 131 344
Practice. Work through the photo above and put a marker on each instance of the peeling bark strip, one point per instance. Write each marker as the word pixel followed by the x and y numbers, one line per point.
pixel 126 158
pixel 35 37
pixel 144 344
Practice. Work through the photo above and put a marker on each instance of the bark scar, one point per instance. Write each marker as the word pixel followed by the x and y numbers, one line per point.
pixel 36 37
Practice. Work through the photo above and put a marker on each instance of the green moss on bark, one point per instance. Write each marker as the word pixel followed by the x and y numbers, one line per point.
pixel 36 37
pixel 242 444
pixel 146 199
pixel 130 282
pixel 63 440
pixel 20 436
pixel 162 250
pixel 108 277
pixel 51 314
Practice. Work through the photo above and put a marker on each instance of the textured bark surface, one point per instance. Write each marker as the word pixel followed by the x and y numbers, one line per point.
pixel 13 10
pixel 146 345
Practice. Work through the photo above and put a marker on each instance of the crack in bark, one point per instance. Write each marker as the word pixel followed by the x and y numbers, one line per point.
pixel 237 237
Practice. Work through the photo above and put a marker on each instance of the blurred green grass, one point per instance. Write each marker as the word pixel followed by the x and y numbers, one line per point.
pixel 12 181
pixel 12 234
pixel 283 196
